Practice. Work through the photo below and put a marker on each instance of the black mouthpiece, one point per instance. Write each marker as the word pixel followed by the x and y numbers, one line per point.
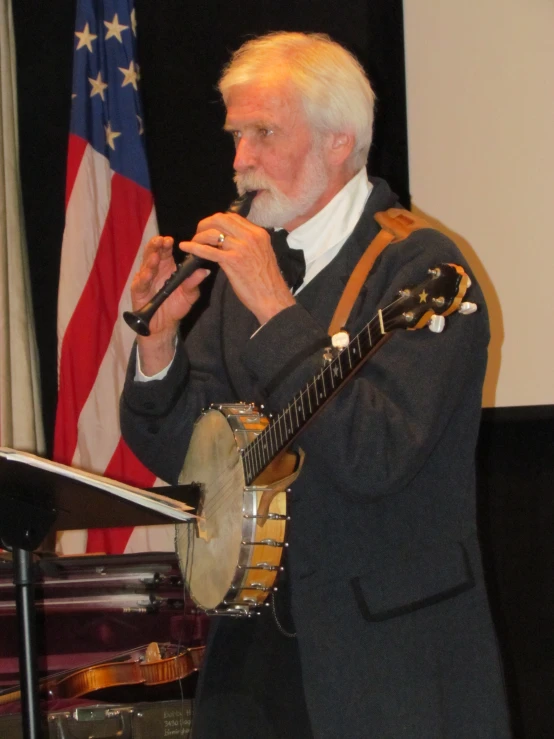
pixel 243 203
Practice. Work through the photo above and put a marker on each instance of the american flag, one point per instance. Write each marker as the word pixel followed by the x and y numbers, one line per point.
pixel 109 217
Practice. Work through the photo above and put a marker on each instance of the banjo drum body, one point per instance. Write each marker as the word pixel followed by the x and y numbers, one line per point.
pixel 230 557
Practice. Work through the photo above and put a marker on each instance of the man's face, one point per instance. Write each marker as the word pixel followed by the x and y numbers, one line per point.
pixel 277 154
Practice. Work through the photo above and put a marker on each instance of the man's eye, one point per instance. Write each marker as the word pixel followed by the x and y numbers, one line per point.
pixel 236 135
pixel 265 132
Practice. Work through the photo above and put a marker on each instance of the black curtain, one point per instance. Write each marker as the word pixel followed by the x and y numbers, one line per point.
pixel 516 514
pixel 182 48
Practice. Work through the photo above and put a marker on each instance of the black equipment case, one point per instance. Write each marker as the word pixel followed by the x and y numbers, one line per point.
pixel 158 720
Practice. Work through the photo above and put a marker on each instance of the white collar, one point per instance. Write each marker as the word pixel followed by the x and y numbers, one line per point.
pixel 322 237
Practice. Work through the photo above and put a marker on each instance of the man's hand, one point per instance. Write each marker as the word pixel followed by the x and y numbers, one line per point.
pixel 156 351
pixel 247 258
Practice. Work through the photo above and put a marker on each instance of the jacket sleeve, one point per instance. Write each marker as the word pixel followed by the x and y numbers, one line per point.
pixel 157 417
pixel 382 426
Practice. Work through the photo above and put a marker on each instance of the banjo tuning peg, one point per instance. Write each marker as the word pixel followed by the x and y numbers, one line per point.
pixel 467 309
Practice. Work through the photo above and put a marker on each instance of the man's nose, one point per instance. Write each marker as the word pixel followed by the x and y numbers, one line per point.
pixel 245 156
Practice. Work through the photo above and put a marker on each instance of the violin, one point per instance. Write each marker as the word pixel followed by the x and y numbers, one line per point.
pixel 153 664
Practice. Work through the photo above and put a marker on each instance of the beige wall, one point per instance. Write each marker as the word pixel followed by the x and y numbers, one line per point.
pixel 480 86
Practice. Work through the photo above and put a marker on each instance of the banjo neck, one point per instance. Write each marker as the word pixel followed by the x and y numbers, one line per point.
pixel 425 305
pixel 286 426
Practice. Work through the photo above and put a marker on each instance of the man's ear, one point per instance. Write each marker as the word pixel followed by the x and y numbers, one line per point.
pixel 340 146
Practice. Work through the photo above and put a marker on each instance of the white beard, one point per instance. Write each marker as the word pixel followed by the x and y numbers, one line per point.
pixel 272 209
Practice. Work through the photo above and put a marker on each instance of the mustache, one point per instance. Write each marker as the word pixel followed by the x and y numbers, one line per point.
pixel 251 181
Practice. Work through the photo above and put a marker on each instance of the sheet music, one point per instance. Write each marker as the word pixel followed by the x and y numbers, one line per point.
pixel 156 502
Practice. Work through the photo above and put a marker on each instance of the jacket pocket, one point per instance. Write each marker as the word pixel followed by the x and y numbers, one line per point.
pixel 404 581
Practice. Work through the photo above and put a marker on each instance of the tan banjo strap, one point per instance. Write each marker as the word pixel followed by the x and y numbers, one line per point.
pixel 396 225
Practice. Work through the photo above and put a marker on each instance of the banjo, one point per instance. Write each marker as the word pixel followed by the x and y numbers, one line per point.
pixel 230 557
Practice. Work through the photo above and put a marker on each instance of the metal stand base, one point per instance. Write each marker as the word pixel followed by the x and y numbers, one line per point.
pixel 25 603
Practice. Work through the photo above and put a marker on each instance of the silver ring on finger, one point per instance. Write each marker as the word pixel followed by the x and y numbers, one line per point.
pixel 221 238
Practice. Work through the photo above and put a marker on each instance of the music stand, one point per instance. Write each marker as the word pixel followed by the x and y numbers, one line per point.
pixel 33 501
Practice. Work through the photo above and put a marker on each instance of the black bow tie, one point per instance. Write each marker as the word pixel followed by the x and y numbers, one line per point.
pixel 291 261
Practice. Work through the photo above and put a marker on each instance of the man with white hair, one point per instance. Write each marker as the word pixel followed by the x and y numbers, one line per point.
pixel 382 627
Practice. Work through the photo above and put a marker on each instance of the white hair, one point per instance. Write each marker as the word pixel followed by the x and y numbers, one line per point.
pixel 333 87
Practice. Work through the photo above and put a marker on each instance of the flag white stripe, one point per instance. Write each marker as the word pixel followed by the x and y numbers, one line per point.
pixel 91 192
pixel 152 539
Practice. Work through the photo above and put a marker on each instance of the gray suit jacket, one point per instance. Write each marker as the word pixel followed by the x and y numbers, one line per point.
pixel 386 578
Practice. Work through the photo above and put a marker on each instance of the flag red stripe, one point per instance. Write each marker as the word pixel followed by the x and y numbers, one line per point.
pixel 126 467
pixel 75 152
pixel 82 348
pixel 108 541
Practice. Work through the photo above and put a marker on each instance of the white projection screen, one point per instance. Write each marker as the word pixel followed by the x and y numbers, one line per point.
pixel 480 91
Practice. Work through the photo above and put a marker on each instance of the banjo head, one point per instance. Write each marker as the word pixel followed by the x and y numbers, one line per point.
pixel 209 551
